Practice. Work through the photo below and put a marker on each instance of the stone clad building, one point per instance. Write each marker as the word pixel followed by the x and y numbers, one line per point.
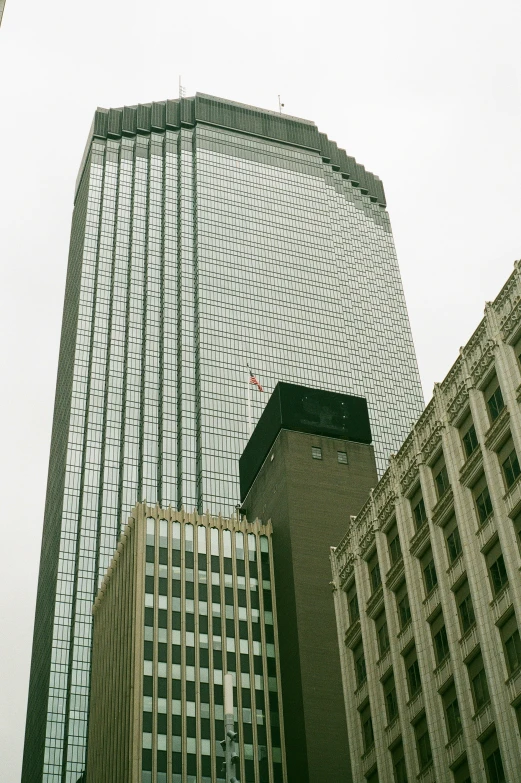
pixel 187 598
pixel 427 582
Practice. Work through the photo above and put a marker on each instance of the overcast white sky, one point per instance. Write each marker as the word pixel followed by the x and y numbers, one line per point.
pixel 426 95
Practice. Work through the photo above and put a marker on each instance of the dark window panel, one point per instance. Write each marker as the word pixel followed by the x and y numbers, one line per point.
pixel 470 441
pixel 420 515
pixel 511 469
pixel 495 404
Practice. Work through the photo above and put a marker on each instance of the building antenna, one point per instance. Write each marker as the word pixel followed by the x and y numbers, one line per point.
pixel 281 106
pixel 182 91
pixel 231 757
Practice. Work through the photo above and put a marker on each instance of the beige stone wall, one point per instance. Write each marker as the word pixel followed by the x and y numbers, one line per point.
pixel 116 694
pixel 490 359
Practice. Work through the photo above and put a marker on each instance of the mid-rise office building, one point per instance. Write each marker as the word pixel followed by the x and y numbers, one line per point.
pixel 187 598
pixel 206 235
pixel 427 580
pixel 308 466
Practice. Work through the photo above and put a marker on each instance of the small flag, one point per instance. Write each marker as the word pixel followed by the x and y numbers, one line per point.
pixel 254 380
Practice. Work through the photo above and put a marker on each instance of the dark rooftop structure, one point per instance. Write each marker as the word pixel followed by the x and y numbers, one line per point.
pixel 187 112
pixel 303 409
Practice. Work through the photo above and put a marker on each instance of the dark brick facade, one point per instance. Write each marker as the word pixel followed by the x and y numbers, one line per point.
pixel 309 502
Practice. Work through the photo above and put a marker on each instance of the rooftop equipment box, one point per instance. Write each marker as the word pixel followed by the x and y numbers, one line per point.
pixel 302 409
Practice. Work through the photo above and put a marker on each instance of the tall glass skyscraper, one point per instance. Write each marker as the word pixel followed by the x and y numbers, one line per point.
pixel 207 235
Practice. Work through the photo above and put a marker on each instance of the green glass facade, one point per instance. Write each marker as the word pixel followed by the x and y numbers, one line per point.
pixel 206 235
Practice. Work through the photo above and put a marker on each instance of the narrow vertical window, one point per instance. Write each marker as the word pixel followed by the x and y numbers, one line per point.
pixel 511 644
pixel 382 634
pixel 352 603
pixel 483 505
pixel 418 510
pixel 511 469
pixel 441 478
pixel 391 701
pixel 453 540
pixel 393 542
pixel 398 761
pixel 495 403
pixel 430 577
pixel 496 568
pixel 374 572
pixel 493 760
pixel 441 645
pixel 366 723
pixel 359 662
pixel 412 671
pixel 423 744
pixel 478 682
pixel 470 441
pixel 465 607
pixel 451 709
pixel 403 606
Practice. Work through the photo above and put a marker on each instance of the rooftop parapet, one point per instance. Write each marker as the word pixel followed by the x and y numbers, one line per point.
pixel 142 511
pixel 502 321
pixel 174 114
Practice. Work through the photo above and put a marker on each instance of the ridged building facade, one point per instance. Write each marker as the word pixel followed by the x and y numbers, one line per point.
pixel 206 236
pixel 187 598
pixel 427 582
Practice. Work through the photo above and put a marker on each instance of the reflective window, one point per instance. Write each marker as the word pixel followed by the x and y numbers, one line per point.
pixel 470 441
